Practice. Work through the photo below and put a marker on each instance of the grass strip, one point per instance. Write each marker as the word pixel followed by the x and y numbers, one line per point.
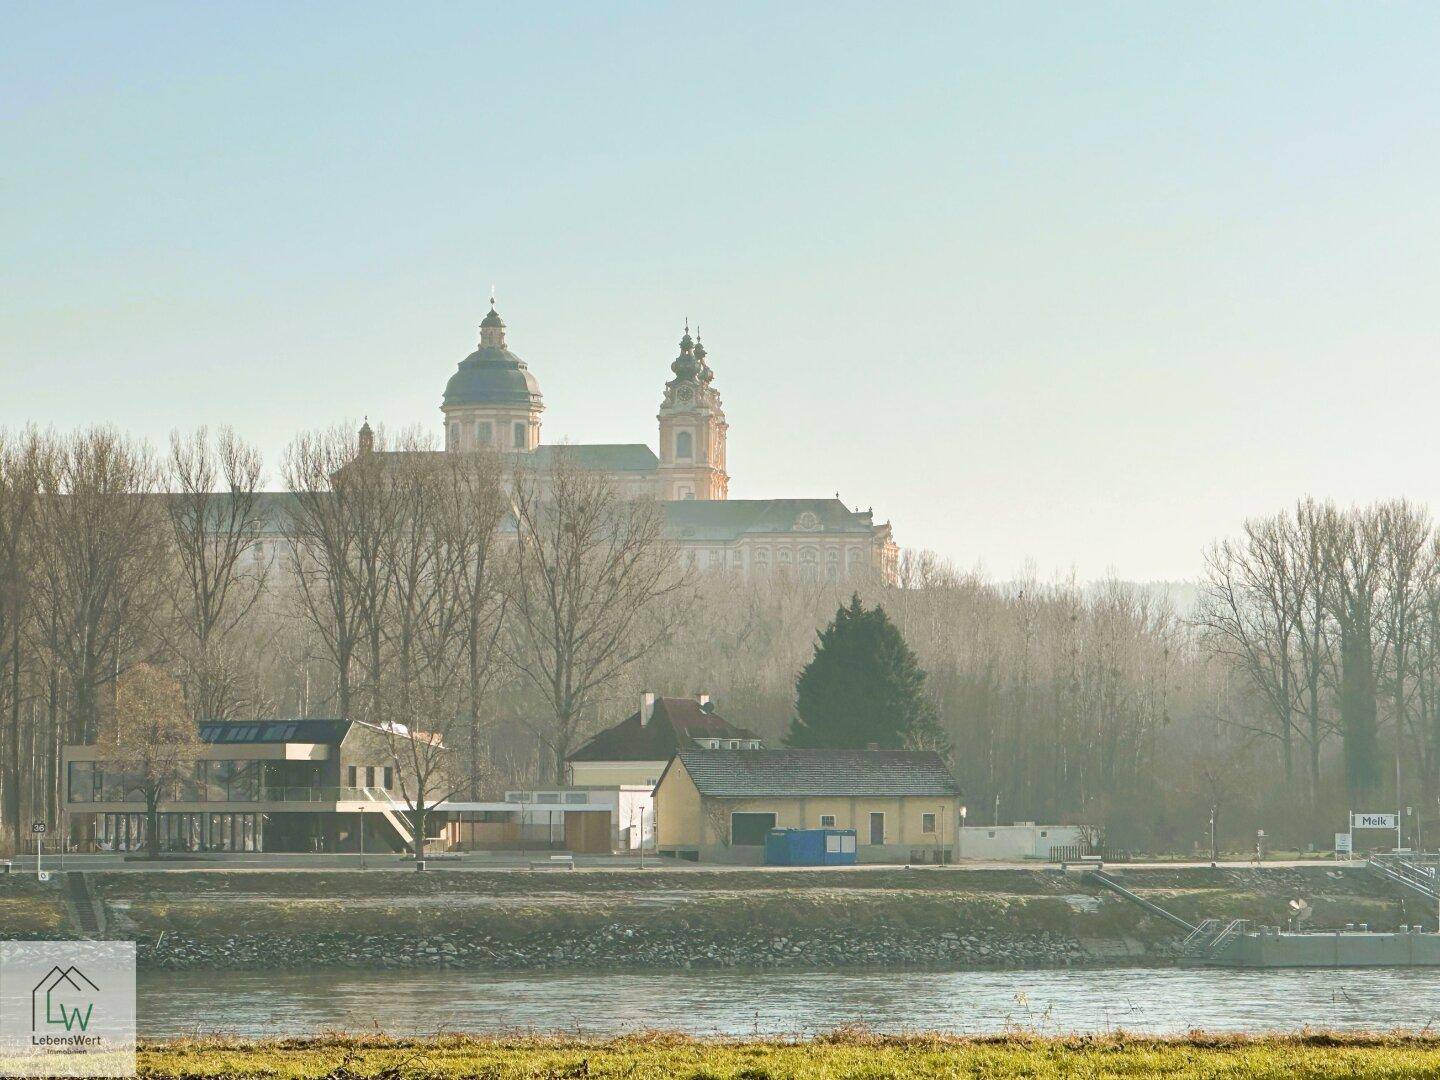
pixel 842 1055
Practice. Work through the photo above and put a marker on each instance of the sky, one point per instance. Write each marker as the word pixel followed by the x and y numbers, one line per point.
pixel 1074 288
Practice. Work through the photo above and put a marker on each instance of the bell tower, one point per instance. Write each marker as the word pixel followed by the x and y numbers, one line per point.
pixel 692 428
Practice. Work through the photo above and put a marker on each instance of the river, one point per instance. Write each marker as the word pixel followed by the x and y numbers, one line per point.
pixel 1148 1000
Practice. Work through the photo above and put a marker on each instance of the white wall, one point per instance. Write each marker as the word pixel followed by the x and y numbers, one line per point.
pixel 1006 842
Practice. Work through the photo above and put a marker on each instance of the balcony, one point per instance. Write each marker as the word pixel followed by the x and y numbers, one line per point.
pixel 296 795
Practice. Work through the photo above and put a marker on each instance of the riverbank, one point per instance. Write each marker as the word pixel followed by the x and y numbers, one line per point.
pixel 620 920
pixel 841 1054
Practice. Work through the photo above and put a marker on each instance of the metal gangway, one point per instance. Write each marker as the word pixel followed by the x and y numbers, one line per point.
pixel 1409 870
pixel 1101 878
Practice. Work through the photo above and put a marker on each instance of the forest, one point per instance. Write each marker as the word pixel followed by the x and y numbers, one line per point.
pixel 513 615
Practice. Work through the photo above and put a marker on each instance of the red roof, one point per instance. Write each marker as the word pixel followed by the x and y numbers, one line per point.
pixel 674 725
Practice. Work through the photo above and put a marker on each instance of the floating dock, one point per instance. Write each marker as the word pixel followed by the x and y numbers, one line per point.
pixel 1272 948
pixel 1238 944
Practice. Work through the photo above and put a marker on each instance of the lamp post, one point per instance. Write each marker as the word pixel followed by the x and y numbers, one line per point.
pixel 1214 857
pixel 362 836
pixel 960 834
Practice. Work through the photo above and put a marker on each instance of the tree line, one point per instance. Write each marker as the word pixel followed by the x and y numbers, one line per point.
pixel 415 590
pixel 511 615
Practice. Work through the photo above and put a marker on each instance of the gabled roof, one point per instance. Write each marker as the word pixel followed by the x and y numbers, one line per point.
pixel 330 732
pixel 675 723
pixel 742 773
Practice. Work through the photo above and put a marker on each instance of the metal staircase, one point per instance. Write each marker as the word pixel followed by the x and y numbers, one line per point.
pixel 1198 939
pixel 1232 930
pixel 397 814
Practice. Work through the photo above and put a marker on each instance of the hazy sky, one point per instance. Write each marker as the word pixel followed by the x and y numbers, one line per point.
pixel 1078 284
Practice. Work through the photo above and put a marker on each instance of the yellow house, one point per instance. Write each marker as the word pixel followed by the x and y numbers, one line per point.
pixel 717 805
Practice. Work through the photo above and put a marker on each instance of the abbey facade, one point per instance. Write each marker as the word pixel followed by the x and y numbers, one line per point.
pixel 494 401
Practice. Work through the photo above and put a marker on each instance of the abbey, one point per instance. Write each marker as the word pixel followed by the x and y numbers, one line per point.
pixel 493 401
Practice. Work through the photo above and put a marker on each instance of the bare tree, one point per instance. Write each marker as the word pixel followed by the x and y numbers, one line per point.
pixel 428 559
pixel 471 505
pixel 1352 553
pixel 321 543
pixel 20 469
pixel 1250 615
pixel 151 740
pixel 216 516
pixel 100 561
pixel 593 591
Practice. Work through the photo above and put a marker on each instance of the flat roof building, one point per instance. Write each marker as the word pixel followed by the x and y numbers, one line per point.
pixel 259 785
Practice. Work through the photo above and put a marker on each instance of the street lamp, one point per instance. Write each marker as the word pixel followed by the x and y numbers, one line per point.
pixel 1214 858
pixel 960 834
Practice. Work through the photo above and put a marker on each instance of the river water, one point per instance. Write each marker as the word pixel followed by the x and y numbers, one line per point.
pixel 1149 1000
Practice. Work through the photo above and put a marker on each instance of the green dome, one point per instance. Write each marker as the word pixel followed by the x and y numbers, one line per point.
pixel 492 375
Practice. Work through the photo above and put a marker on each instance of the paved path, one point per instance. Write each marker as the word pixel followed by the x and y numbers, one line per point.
pixel 521 861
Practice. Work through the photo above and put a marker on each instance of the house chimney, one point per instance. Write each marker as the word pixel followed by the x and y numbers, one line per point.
pixel 647 707
pixel 704 700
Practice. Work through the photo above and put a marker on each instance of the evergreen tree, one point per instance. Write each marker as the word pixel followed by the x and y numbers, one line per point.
pixel 863 687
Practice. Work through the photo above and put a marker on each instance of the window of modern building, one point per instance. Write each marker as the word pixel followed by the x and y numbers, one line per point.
pixel 354 779
pixel 927 823
pixel 827 821
pixel 85 782
pixel 520 440
pixel 389 777
pixel 576 797
pixel 684 445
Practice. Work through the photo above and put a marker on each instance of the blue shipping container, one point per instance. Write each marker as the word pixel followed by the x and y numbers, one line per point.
pixel 810 847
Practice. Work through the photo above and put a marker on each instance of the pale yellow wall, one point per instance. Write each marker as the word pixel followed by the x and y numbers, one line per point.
pixel 615 773
pixel 678 818
pixel 904 815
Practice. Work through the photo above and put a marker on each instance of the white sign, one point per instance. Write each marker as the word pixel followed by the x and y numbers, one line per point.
pixel 1342 843
pixel 1374 821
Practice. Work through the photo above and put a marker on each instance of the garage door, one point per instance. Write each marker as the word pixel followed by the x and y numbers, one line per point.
pixel 748 830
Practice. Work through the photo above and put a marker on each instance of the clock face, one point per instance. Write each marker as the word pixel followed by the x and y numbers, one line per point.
pixel 684 393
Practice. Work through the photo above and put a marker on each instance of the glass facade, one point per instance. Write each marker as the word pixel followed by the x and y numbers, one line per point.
pixel 204 781
pixel 182 832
